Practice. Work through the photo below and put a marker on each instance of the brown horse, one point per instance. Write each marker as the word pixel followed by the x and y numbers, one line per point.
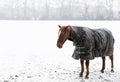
pixel 100 44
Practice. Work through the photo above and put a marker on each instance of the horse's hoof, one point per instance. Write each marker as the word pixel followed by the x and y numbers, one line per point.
pixel 112 70
pixel 86 77
pixel 80 75
pixel 102 71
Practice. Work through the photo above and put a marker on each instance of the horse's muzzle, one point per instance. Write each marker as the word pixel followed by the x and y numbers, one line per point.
pixel 59 45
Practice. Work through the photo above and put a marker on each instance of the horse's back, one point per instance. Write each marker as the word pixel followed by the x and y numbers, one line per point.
pixel 104 42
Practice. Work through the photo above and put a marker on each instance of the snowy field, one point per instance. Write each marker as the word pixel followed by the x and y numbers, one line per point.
pixel 28 53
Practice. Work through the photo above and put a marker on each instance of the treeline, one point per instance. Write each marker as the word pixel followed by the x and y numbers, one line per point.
pixel 60 9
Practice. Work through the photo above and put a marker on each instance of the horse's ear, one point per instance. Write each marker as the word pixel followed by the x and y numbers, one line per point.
pixel 59 26
pixel 69 28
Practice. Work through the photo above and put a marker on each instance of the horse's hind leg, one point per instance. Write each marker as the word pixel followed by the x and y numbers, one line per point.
pixel 82 68
pixel 112 66
pixel 103 64
pixel 87 68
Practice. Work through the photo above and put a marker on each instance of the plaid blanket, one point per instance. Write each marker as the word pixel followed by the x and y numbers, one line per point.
pixel 91 43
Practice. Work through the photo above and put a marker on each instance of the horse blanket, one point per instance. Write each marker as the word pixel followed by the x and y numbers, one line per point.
pixel 91 43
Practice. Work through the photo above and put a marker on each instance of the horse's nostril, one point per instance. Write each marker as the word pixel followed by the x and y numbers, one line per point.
pixel 59 45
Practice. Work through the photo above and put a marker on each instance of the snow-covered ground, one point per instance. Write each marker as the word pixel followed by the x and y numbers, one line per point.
pixel 28 53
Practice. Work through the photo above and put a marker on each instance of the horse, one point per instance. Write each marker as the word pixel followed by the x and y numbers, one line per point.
pixel 89 43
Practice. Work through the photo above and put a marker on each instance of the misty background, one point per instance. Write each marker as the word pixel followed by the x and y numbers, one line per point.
pixel 59 10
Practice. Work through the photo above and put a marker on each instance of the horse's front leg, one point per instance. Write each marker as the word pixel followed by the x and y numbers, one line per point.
pixel 87 69
pixel 82 68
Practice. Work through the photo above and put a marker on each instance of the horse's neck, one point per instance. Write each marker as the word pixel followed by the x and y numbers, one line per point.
pixel 75 35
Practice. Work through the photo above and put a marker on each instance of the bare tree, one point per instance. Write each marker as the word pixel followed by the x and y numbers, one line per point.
pixel 86 6
pixel 25 9
pixel 46 10
pixel 109 4
pixel 34 10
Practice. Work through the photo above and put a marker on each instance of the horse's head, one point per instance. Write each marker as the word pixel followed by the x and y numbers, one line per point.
pixel 64 34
